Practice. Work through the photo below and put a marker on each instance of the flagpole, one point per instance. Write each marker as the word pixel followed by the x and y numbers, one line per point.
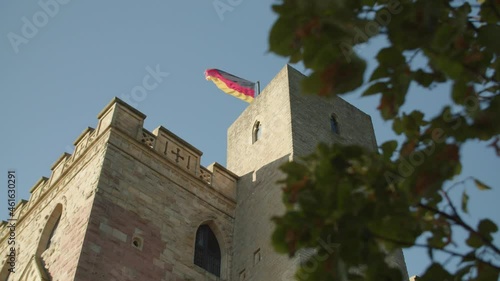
pixel 258 87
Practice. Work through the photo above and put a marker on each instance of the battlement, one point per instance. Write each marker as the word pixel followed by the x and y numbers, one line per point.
pixel 120 116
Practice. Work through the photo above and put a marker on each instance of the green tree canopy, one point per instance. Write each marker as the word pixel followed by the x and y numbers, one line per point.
pixel 370 203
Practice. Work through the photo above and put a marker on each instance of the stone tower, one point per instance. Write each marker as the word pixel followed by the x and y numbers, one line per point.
pixel 288 125
pixel 125 205
pixel 130 204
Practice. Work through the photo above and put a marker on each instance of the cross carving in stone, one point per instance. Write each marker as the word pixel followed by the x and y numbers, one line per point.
pixel 178 155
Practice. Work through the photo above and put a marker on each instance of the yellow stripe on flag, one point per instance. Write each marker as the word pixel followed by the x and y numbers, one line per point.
pixel 221 85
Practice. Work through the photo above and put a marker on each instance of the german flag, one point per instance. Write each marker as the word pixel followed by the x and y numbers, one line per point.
pixel 232 85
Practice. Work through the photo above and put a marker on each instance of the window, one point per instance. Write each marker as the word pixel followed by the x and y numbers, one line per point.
pixel 334 125
pixel 207 253
pixel 257 131
pixel 137 242
pixel 243 275
pixel 257 257
pixel 50 231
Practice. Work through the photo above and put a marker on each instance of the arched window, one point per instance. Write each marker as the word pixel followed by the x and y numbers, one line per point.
pixel 50 231
pixel 207 253
pixel 334 125
pixel 257 131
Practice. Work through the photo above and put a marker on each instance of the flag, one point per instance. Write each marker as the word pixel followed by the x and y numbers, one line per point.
pixel 230 84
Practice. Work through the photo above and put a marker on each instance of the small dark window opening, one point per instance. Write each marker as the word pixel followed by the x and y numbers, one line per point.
pixel 207 251
pixel 334 125
pixel 137 242
pixel 257 131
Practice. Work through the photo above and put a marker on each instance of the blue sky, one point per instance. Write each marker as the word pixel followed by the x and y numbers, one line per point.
pixel 71 62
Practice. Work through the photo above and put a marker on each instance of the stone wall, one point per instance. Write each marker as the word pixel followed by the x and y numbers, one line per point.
pixel 292 126
pixel 151 199
pixel 258 197
pixel 131 203
pixel 71 186
pixel 130 200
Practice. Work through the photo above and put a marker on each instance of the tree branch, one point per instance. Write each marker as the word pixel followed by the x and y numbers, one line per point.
pixel 452 253
pixel 458 220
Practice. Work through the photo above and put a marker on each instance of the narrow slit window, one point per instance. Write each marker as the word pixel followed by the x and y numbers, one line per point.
pixel 334 125
pixel 257 131
pixel 243 275
pixel 256 257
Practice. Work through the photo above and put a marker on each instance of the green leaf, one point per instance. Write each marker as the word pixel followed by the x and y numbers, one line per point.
pixel 398 126
pixel 436 272
pixel 443 37
pixel 465 200
pixel 312 84
pixel 388 148
pixel 487 273
pixel 488 36
pixel 390 56
pixel 449 66
pixel 459 91
pixel 474 241
pixel 480 185
pixel 378 73
pixel 486 227
pixel 423 78
pixel 281 37
pixel 375 89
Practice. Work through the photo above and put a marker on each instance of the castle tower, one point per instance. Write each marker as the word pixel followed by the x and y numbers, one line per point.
pixel 278 126
pixel 130 204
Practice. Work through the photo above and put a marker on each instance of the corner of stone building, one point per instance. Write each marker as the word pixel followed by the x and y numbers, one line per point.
pixel 60 203
pixel 293 125
pixel 152 195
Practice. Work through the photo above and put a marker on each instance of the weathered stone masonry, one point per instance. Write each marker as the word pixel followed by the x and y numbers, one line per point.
pixel 127 203
pixel 123 183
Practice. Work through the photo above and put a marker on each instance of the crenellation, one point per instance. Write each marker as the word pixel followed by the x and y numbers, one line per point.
pixel 58 168
pixel 206 175
pixel 38 189
pixel 122 116
pixel 223 180
pixel 20 208
pixel 41 182
pixel 82 141
pixel 177 150
pixel 141 195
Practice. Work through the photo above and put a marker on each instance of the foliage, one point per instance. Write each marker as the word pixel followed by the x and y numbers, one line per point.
pixel 370 203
